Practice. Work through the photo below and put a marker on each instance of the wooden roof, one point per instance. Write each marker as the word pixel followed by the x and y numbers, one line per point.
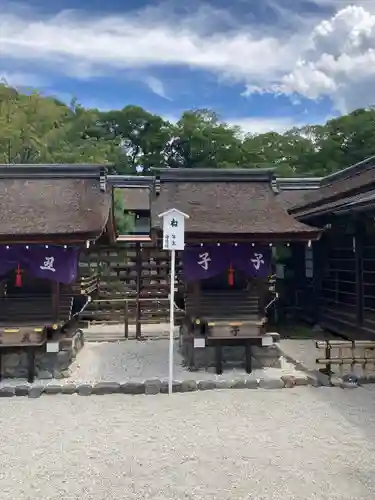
pixel 227 202
pixel 336 189
pixel 292 191
pixel 54 203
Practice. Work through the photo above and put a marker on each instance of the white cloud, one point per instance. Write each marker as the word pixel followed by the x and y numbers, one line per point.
pixel 259 125
pixel 335 58
pixel 339 62
pixel 21 80
pixel 79 44
pixel 156 86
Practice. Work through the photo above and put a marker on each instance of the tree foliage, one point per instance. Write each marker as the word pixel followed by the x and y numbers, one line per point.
pixel 36 129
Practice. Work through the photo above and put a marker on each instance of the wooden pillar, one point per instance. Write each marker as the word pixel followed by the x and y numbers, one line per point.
pixel 318 262
pixel 358 243
pixel 138 328
pixel 196 294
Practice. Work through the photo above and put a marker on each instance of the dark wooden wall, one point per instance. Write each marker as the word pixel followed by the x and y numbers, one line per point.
pixel 341 294
pixel 137 272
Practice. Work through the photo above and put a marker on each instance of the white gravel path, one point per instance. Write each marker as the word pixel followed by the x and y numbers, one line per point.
pixel 138 361
pixel 297 444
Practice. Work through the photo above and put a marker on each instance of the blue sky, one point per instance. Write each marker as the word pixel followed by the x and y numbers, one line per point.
pixel 261 64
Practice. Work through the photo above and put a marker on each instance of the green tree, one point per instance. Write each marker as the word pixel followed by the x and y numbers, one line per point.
pixel 201 140
pixel 124 222
pixel 36 129
pixel 141 135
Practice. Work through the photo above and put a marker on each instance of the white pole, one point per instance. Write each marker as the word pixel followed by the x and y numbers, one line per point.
pixel 171 321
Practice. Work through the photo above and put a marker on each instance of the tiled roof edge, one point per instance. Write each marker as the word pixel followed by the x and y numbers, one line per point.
pixel 214 175
pixel 297 183
pixel 348 172
pixel 63 171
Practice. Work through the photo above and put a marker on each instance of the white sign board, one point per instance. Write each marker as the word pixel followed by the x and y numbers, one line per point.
pixel 173 239
pixel 173 229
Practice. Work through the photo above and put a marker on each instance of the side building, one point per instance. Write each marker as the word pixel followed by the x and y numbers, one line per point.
pixel 343 286
pixel 50 213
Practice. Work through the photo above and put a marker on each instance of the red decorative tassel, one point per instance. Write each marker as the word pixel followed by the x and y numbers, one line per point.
pixel 18 276
pixel 231 276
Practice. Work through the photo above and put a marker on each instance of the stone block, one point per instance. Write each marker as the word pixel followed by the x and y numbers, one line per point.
pixel 176 387
pixel 152 386
pixel 239 383
pixel 11 360
pixel 63 360
pixel 252 384
pixel 206 385
pixel 302 381
pixel 84 390
pixel 36 391
pixel 336 381
pixel 132 388
pixel 189 386
pixel 102 388
pixel 68 389
pixel 289 381
pixel 14 365
pixel 224 384
pixel 53 389
pixel 21 390
pixel 44 375
pixel 314 380
pixel 271 383
pixel 7 392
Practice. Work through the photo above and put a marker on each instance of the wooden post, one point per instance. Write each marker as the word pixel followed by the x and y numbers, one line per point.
pixel 126 318
pixel 248 356
pixel 358 256
pixel 31 365
pixel 138 329
pixel 196 293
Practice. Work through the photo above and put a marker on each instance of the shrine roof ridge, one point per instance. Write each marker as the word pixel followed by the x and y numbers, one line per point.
pixel 337 188
pixel 214 175
pixel 348 172
pixel 297 183
pixel 131 181
pixel 54 171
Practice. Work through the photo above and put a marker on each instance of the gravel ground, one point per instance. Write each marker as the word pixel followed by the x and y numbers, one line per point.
pixel 138 361
pixel 297 444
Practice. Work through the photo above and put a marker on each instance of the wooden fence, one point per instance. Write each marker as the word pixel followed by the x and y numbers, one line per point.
pixel 134 271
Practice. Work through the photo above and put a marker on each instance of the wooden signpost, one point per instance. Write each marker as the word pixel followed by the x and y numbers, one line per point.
pixel 173 239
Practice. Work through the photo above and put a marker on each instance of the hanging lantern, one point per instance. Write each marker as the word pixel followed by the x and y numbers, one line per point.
pixel 230 275
pixel 18 276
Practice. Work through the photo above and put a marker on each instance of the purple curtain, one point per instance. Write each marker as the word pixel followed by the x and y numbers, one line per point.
pixel 53 262
pixel 208 261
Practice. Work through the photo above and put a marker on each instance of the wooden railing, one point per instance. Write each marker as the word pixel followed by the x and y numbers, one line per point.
pixel 132 311
pixel 345 353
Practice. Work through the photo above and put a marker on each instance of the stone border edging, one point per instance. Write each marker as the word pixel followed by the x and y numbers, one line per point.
pixel 154 386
